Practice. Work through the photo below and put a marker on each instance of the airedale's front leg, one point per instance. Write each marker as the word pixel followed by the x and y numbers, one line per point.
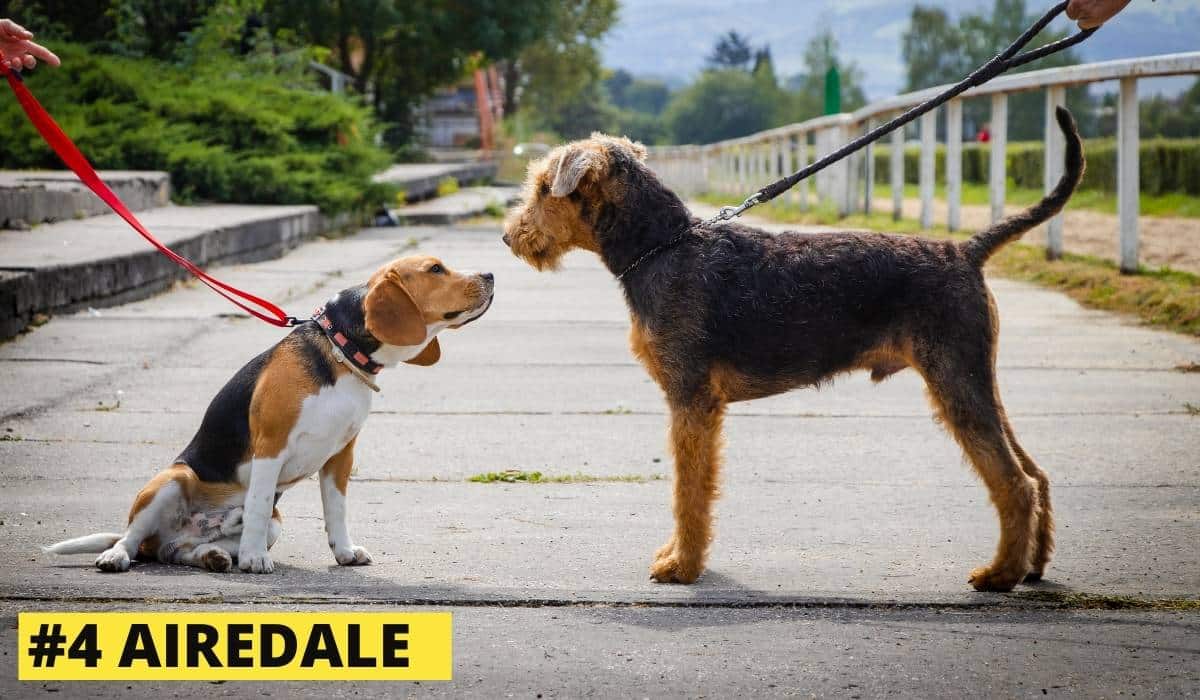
pixel 696 443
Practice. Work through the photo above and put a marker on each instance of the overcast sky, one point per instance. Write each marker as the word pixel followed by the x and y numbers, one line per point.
pixel 670 38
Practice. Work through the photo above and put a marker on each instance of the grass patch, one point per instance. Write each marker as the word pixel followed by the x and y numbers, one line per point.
pixel 618 411
pixel 1163 298
pixel 513 476
pixel 1192 409
pixel 1090 601
pixel 1174 204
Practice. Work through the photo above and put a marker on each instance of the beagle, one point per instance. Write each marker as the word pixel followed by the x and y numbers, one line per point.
pixel 291 412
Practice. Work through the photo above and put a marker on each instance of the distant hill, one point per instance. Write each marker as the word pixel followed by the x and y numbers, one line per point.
pixel 670 38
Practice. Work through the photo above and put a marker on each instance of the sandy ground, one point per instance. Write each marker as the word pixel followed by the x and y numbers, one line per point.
pixel 1165 241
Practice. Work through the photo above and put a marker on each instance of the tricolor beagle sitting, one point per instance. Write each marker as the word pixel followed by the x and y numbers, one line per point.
pixel 290 412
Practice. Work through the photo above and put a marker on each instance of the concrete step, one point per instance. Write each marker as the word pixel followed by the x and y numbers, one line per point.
pixel 100 261
pixel 464 204
pixel 32 197
pixel 419 181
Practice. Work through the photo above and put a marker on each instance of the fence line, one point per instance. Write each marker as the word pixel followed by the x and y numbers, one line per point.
pixel 737 167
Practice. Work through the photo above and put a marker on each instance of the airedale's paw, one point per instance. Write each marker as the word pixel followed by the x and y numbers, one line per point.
pixel 987 578
pixel 671 568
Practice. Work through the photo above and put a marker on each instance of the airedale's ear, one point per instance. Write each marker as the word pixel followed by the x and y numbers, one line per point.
pixel 572 166
pixel 430 355
pixel 392 316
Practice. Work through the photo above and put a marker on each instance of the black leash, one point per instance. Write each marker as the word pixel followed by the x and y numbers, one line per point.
pixel 1003 61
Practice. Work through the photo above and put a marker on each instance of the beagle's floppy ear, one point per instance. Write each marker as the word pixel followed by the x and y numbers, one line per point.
pixel 572 166
pixel 391 314
pixel 430 355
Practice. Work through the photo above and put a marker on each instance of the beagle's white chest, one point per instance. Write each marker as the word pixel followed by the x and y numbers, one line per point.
pixel 328 421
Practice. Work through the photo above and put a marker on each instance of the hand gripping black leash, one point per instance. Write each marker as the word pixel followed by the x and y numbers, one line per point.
pixel 1009 58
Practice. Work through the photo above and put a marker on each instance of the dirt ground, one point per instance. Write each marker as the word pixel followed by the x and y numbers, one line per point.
pixel 1165 241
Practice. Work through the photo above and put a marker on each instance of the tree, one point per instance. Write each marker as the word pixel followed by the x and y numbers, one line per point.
pixel 405 50
pixel 559 73
pixel 721 104
pixel 821 54
pixel 731 51
pixel 936 52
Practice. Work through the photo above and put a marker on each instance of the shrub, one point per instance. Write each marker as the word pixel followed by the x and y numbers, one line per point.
pixel 224 134
pixel 1165 165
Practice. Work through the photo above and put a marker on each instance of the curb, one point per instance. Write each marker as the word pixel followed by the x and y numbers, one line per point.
pixel 452 215
pixel 29 198
pixel 27 293
pixel 423 187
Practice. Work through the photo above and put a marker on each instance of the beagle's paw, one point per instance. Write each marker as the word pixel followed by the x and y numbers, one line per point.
pixel 113 559
pixel 352 556
pixel 255 562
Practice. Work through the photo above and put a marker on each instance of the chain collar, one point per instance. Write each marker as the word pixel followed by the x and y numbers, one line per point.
pixel 655 251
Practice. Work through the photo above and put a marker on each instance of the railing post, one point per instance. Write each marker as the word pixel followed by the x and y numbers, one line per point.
pixel 841 172
pixel 869 186
pixel 776 159
pixel 927 171
pixel 953 164
pixel 801 161
pixel 1128 189
pixel 897 174
pixel 1052 167
pixel 997 166
pixel 740 156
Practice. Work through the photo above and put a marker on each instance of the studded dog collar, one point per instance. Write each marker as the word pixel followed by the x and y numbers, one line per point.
pixel 347 352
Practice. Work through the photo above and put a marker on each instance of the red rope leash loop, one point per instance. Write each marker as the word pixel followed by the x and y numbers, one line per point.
pixel 75 160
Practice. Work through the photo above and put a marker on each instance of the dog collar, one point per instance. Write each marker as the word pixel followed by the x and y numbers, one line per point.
pixel 346 352
pixel 655 251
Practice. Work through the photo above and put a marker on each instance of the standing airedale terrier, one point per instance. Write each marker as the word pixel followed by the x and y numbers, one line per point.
pixel 726 313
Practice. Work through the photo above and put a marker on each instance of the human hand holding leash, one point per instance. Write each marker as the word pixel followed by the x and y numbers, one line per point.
pixel 1093 13
pixel 18 48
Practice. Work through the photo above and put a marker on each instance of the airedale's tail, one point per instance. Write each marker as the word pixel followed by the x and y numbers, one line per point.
pixel 981 246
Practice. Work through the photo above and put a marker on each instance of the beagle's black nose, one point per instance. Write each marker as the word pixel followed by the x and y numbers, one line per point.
pixel 505 239
pixel 488 276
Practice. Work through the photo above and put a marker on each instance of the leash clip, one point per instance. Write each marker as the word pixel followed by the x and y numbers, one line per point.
pixel 727 213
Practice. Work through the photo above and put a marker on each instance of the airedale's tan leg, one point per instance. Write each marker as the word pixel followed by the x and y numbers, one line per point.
pixel 696 443
pixel 1044 547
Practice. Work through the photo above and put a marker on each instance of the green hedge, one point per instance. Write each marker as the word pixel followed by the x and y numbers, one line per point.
pixel 224 135
pixel 1165 166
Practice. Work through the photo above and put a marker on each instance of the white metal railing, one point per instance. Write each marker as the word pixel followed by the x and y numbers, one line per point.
pixel 739 167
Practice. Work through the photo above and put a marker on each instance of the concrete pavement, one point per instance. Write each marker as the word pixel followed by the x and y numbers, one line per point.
pixel 846 530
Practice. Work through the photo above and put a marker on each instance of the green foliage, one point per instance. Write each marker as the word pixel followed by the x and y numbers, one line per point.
pixel 223 133
pixel 821 55
pixel 1177 117
pixel 637 94
pixel 739 100
pixel 558 76
pixel 721 104
pixel 1166 166
pixel 937 51
pixel 731 52
pixel 639 104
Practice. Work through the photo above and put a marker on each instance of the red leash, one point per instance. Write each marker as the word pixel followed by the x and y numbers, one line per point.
pixel 76 161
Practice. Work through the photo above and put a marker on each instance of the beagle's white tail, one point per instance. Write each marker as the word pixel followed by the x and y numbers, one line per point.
pixel 88 544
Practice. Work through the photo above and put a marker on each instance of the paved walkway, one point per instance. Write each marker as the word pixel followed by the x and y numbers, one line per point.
pixel 846 530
